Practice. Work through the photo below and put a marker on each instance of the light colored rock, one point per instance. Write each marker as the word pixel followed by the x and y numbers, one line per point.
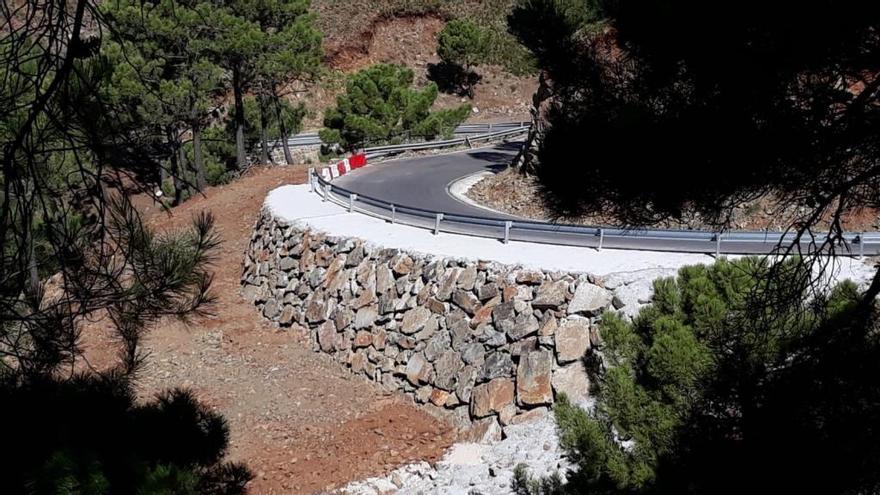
pixel 418 369
pixel 551 295
pixel 528 416
pixel 530 277
pixel 365 317
pixel 589 298
pixel 467 278
pixel 415 320
pixel 490 398
pixel 533 376
pixel 466 301
pixel 524 325
pixel 401 264
pixel 572 339
pixel 573 381
pixel 327 336
pixel 363 338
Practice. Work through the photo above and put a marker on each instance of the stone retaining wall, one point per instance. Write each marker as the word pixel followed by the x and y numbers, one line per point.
pixel 491 343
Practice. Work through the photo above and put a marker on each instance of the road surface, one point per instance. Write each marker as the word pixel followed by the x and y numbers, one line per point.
pixel 422 181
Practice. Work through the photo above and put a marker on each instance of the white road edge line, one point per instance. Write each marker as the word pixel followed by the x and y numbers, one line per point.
pixel 458 188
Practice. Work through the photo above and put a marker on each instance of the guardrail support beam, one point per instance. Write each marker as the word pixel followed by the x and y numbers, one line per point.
pixel 351 199
pixel 393 213
pixel 861 241
pixel 718 244
pixel 507 225
pixel 312 179
pixel 327 191
pixel 437 219
pixel 601 239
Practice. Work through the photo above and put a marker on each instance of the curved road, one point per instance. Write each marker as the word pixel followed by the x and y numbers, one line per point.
pixel 421 182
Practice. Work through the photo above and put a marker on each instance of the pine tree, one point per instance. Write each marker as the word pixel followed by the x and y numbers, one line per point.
pixel 295 57
pixel 462 44
pixel 265 44
pixel 713 390
pixel 164 72
pixel 380 106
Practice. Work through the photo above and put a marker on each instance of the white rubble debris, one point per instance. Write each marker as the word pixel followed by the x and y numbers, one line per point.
pixel 476 469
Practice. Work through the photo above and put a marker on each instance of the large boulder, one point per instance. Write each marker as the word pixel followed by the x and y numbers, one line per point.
pixel 551 295
pixel 533 376
pixel 573 381
pixel 415 320
pixel 572 339
pixel 418 370
pixel 490 398
pixel 589 298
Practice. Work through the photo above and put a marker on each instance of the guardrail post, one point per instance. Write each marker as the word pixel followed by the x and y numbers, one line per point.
pixel 327 191
pixel 393 212
pixel 351 199
pixel 861 239
pixel 312 179
pixel 467 141
pixel 437 223
pixel 507 225
pixel 718 244
pixel 601 239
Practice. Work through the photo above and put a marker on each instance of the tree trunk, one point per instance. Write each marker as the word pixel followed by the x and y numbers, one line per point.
pixel 282 127
pixel 175 167
pixel 241 159
pixel 525 159
pixel 181 172
pixel 264 138
pixel 201 182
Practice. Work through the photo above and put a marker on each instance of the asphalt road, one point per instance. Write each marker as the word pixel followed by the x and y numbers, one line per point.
pixel 422 181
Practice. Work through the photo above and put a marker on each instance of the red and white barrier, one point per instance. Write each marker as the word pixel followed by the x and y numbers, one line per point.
pixel 343 167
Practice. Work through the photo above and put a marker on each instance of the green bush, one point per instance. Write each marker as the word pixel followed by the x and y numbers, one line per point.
pixel 381 106
pixel 462 43
pixel 730 383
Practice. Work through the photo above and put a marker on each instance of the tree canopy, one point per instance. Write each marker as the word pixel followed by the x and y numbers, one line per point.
pixel 709 390
pixel 79 134
pixel 684 105
pixel 381 106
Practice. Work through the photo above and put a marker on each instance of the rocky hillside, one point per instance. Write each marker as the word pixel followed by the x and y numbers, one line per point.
pixel 363 32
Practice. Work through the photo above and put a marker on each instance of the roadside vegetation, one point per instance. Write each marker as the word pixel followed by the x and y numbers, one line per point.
pixel 711 389
pixel 744 376
pixel 380 106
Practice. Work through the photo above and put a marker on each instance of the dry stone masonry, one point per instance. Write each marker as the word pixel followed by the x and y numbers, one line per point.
pixel 491 343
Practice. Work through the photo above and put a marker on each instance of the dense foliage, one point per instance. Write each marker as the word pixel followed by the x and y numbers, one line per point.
pixel 381 106
pixel 89 435
pixel 711 390
pixel 461 45
pixel 779 97
pixel 85 122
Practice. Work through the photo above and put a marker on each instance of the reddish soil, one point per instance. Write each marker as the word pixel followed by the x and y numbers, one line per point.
pixel 298 419
pixel 520 195
pixel 412 41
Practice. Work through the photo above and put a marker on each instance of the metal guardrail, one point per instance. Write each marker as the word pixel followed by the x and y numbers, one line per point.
pixel 377 151
pixel 312 139
pixel 598 237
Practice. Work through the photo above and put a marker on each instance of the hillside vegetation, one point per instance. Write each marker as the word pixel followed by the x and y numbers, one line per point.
pixel 348 26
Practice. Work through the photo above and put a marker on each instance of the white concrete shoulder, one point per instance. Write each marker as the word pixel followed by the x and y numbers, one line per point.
pixel 459 187
pixel 294 203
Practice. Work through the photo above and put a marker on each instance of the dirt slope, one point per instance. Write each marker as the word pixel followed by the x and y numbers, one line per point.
pixel 359 34
pixel 301 421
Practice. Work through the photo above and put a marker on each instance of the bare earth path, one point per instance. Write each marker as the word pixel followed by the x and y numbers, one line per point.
pixel 300 421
